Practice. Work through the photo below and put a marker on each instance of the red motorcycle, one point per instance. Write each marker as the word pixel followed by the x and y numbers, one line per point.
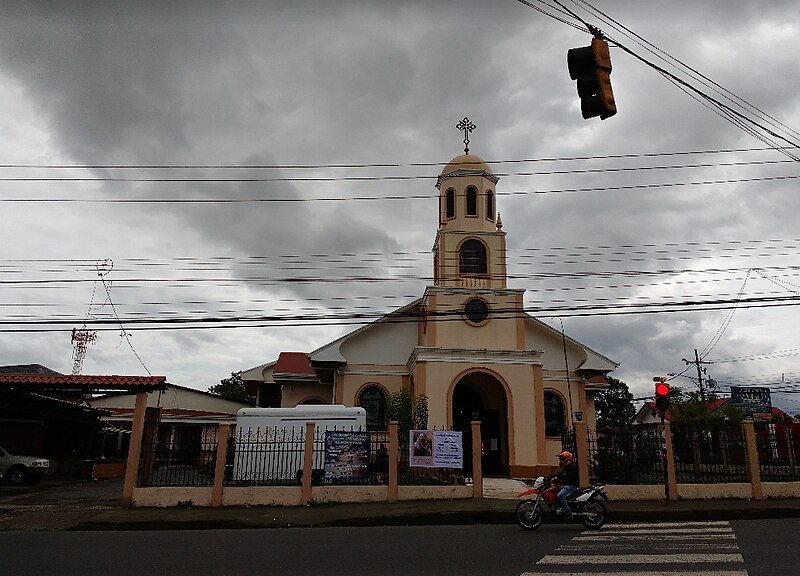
pixel 586 504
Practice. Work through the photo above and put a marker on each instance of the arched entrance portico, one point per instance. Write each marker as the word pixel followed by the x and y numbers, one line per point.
pixel 481 396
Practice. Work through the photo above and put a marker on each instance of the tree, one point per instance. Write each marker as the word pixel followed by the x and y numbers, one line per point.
pixel 410 413
pixel 232 389
pixel 614 406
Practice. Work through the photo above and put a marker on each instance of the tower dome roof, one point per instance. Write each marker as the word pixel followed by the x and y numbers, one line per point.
pixel 467 162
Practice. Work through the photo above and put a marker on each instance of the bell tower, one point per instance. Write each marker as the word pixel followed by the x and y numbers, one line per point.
pixel 470 246
pixel 469 306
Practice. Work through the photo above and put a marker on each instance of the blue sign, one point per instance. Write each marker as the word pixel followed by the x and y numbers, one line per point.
pixel 752 401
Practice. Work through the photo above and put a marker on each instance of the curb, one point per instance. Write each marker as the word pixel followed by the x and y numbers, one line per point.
pixel 458 518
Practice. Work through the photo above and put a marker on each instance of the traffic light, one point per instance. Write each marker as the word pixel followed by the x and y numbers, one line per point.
pixel 662 394
pixel 590 66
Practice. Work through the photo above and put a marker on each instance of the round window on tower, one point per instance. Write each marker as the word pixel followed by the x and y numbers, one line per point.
pixel 476 311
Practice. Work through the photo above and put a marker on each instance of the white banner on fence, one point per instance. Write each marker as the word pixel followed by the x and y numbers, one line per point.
pixel 435 449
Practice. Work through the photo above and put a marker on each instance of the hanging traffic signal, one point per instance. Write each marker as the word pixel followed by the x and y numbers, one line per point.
pixel 662 394
pixel 590 66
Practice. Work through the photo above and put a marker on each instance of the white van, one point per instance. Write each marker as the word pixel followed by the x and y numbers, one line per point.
pixel 270 441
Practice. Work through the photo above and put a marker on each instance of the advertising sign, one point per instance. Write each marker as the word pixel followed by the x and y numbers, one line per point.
pixel 435 449
pixel 752 401
pixel 346 457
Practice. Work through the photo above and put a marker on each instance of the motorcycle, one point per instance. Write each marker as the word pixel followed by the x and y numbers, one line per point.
pixel 586 504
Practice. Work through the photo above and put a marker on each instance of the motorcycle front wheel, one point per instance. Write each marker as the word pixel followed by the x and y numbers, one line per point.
pixel 529 515
pixel 593 514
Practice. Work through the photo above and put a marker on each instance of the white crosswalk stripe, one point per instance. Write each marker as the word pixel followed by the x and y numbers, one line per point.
pixel 648 549
pixel 647 573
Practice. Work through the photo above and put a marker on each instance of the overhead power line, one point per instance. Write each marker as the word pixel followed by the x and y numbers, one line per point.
pixel 197 200
pixel 734 109
pixel 491 162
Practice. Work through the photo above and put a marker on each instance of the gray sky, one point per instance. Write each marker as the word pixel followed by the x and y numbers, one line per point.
pixel 92 93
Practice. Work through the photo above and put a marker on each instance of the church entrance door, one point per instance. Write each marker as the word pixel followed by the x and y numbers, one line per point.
pixel 479 396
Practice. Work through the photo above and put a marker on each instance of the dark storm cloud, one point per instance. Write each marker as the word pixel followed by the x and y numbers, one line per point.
pixel 385 82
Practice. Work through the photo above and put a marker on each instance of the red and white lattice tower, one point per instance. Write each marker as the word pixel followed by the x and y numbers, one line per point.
pixel 81 338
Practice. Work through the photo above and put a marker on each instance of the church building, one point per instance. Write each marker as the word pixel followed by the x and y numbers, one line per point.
pixel 467 344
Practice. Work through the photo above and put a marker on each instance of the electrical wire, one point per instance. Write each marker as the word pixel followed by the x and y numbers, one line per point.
pixel 738 118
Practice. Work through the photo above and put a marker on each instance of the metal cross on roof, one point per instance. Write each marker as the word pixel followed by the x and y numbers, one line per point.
pixel 467 126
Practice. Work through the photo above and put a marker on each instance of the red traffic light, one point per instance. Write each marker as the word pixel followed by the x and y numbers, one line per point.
pixel 662 395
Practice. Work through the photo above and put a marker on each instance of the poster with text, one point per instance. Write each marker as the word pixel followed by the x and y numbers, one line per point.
pixel 346 457
pixel 448 451
pixel 435 449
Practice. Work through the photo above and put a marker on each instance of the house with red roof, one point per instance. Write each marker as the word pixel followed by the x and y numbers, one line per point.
pixel 649 414
pixel 43 413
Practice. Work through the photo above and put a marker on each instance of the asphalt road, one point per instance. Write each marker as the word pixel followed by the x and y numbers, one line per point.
pixel 746 547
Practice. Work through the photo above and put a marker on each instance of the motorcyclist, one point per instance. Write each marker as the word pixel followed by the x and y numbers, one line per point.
pixel 567 479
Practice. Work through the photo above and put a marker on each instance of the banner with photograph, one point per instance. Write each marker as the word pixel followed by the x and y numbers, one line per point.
pixel 346 457
pixel 435 449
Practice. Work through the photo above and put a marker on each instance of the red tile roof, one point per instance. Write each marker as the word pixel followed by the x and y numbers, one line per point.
pixel 293 365
pixel 83 382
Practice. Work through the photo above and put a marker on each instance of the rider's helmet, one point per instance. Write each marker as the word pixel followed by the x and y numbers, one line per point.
pixel 565 458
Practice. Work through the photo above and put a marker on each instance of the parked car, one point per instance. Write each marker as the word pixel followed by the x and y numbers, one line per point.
pixel 16 469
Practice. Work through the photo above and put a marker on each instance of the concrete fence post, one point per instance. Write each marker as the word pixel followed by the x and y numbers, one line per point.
pixel 669 463
pixel 751 453
pixel 308 464
pixel 394 459
pixel 477 471
pixel 223 431
pixel 135 449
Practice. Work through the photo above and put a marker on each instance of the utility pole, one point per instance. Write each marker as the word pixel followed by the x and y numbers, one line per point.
pixel 698 364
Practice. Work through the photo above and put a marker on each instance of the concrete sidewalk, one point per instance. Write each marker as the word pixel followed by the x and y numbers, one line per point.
pixel 96 506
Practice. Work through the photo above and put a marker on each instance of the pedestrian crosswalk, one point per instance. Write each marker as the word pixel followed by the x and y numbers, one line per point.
pixel 648 549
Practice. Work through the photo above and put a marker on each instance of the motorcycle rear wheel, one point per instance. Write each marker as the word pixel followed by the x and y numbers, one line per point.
pixel 529 515
pixel 593 514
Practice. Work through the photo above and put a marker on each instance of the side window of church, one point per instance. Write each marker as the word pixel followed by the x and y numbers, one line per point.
pixel 450 208
pixel 489 205
pixel 553 414
pixel 472 257
pixel 472 201
pixel 373 401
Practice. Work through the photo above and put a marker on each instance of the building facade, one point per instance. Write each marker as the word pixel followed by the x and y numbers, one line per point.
pixel 467 344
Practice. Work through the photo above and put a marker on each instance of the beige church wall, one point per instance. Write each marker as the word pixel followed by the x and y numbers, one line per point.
pixel 495 334
pixel 437 377
pixel 552 344
pixel 386 343
pixel 572 394
pixel 352 383
pixel 292 395
pixel 522 419
pixel 589 415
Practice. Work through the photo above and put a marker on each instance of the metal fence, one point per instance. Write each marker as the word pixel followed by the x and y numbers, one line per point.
pixel 626 456
pixel 703 453
pixel 183 459
pixel 778 447
pixel 709 453
pixel 275 457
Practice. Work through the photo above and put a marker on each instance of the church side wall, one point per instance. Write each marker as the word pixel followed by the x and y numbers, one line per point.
pixel 294 394
pixel 355 378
